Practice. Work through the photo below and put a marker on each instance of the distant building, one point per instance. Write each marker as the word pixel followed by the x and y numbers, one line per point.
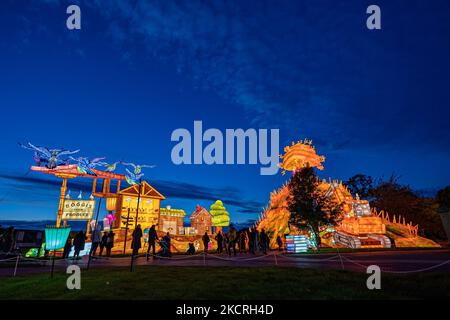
pixel 201 220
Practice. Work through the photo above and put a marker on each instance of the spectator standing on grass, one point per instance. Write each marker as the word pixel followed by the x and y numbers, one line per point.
pixel 109 243
pixel 103 243
pixel 136 242
pixel 219 239
pixel 152 237
pixel 78 242
pixel 206 241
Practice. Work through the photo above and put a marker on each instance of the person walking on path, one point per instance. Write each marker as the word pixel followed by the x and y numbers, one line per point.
pixel 152 237
pixel 78 243
pixel 136 242
pixel 109 243
pixel 219 239
pixel 206 241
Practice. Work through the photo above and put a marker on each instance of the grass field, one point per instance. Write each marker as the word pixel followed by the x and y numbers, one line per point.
pixel 225 283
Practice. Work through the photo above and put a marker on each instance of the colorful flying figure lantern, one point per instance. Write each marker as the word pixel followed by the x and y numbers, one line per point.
pixel 112 167
pixel 50 158
pixel 133 177
pixel 85 164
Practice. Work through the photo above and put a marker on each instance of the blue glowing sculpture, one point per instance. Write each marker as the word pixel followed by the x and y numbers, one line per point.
pixel 85 165
pixel 50 158
pixel 133 177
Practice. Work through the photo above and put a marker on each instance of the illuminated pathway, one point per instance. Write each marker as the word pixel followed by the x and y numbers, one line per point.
pixel 388 261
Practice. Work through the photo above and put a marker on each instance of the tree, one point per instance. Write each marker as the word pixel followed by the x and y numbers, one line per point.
pixel 309 207
pixel 398 199
pixel 360 184
pixel 443 199
pixel 220 215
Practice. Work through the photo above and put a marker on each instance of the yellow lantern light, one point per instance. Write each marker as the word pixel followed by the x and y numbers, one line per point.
pixel 111 203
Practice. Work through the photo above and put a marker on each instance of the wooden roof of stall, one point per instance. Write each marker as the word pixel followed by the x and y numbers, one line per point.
pixel 147 191
pixel 71 171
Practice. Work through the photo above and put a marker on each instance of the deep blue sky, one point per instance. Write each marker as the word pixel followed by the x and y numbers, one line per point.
pixel 373 102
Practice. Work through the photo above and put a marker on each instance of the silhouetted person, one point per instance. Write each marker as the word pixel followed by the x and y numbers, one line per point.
pixel 206 241
pixel 232 240
pixel 264 241
pixel 103 242
pixel 67 248
pixel 219 239
pixel 242 241
pixel 78 242
pixel 152 237
pixel 256 241
pixel 280 243
pixel 96 239
pixel 251 241
pixel 191 249
pixel 136 242
pixel 167 239
pixel 109 243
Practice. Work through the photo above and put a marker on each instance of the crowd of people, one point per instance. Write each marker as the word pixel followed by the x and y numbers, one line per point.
pixel 245 241
pixel 248 240
pixel 99 241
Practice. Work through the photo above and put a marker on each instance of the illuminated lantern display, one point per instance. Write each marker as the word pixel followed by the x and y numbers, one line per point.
pixel 55 238
pixel 201 220
pixel 171 220
pixel 111 203
pixel 296 244
pixel 149 206
pixel 220 215
pixel 300 155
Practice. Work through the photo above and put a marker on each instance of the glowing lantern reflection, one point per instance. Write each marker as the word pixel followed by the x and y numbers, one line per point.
pixel 55 238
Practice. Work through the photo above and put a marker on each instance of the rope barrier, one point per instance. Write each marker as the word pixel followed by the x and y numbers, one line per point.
pixel 401 272
pixel 308 259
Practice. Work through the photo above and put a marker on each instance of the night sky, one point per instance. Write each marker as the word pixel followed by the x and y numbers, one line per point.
pixel 372 101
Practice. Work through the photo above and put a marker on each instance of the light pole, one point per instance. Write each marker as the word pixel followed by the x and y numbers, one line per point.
pixel 128 200
pixel 135 223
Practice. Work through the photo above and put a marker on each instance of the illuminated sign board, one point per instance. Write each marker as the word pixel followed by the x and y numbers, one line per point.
pixel 296 244
pixel 78 210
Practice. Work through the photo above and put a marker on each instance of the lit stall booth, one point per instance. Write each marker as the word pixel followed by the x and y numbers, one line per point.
pixel 171 220
pixel 80 210
pixel 127 213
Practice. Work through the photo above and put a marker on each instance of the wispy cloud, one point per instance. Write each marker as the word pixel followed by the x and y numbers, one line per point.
pixel 170 189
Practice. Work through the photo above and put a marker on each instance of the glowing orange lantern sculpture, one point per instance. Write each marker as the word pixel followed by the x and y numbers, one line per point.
pixel 300 155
